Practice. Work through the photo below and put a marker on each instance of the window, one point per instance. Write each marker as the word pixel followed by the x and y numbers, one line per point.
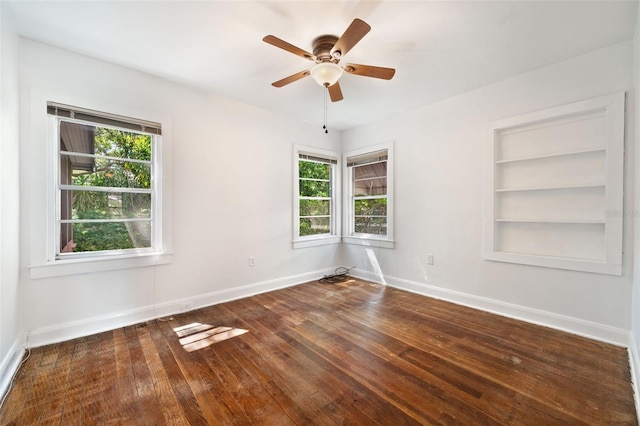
pixel 315 202
pixel 369 192
pixel 106 183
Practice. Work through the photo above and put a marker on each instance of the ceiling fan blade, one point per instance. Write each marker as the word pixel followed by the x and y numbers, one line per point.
pixel 370 71
pixel 295 77
pixel 275 41
pixel 351 36
pixel 335 92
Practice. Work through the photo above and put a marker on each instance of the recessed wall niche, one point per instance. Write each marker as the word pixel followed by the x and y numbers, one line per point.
pixel 553 187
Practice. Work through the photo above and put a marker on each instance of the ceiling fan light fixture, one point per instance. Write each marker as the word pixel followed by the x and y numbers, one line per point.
pixel 326 73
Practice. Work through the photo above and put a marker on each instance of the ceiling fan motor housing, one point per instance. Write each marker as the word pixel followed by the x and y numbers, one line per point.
pixel 322 46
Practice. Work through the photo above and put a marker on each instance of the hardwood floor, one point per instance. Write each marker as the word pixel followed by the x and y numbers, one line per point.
pixel 349 353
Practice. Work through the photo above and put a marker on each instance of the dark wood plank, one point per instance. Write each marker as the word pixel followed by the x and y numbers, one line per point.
pixel 73 399
pixel 213 399
pixel 287 372
pixel 325 354
pixel 163 390
pixel 54 402
pixel 149 406
pixel 186 400
pixel 16 405
pixel 127 395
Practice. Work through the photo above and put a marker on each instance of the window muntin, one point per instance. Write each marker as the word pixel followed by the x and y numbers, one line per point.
pixel 105 186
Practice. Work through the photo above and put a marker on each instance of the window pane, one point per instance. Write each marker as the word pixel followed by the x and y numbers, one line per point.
pixel 89 139
pixel 375 207
pixel 313 170
pixel 123 144
pixel 105 205
pixel 314 188
pixel 370 225
pixel 368 187
pixel 314 226
pixel 109 173
pixel 76 137
pixel 370 179
pixel 315 207
pixel 96 156
pixel 370 170
pixel 315 198
pixel 109 236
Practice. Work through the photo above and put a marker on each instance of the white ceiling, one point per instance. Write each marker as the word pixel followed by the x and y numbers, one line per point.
pixel 439 48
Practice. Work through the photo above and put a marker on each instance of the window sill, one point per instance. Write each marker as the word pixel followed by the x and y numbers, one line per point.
pixel 102 264
pixel 369 242
pixel 314 242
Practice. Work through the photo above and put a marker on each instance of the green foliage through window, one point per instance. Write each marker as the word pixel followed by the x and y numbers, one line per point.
pixel 314 197
pixel 117 214
pixel 370 216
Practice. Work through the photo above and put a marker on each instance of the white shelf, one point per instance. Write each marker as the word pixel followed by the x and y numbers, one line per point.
pixel 541 256
pixel 561 154
pixel 563 221
pixel 546 188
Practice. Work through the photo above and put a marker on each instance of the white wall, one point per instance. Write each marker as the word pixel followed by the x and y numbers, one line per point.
pixel 228 182
pixel 439 196
pixel 634 348
pixel 10 336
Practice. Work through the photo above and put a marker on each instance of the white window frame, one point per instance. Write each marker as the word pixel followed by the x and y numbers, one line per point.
pixel 320 239
pixel 350 236
pixel 44 261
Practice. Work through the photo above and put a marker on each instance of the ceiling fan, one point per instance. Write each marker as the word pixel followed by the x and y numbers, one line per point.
pixel 327 52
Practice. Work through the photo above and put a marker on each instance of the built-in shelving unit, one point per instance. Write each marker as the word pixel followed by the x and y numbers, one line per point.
pixel 554 177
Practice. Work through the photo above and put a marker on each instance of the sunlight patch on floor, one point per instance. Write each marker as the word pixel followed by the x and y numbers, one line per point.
pixel 197 336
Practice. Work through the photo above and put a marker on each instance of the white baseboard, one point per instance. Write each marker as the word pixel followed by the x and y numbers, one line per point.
pixel 70 330
pixel 88 326
pixel 634 364
pixel 572 325
pixel 10 364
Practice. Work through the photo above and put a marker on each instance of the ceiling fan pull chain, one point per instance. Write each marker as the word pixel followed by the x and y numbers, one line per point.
pixel 325 111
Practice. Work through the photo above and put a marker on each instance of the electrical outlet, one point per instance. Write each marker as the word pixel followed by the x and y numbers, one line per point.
pixel 430 259
pixel 252 261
